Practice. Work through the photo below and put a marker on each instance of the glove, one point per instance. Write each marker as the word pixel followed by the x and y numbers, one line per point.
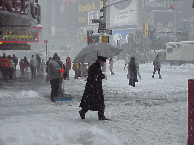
pixel 62 70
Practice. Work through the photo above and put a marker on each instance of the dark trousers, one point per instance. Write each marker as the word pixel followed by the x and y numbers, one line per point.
pixel 33 72
pixel 76 74
pixel 5 72
pixel 100 111
pixel 156 70
pixel 11 73
pixel 22 72
pixel 54 88
pixel 112 73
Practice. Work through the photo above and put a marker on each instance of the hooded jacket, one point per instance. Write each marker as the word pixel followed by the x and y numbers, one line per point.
pixel 54 70
pixel 33 62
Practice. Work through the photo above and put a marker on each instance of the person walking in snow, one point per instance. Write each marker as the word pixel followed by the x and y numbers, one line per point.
pixel 111 66
pixel 27 64
pixel 68 66
pixel 15 60
pixel 5 66
pixel 137 67
pixel 93 98
pixel 46 69
pixel 22 66
pixel 42 67
pixel 62 66
pixel 76 69
pixel 33 66
pixel 11 70
pixel 157 66
pixel 132 72
pixel 126 61
pixel 38 57
pixel 54 76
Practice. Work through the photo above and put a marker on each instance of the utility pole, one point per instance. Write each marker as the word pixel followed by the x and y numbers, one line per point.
pixel 148 32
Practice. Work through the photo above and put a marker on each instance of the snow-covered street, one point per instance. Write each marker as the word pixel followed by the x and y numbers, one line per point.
pixel 154 112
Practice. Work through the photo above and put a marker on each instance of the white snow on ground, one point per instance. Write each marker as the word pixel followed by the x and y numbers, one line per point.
pixel 152 113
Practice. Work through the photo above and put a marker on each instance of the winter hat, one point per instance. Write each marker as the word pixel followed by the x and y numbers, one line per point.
pixel 102 58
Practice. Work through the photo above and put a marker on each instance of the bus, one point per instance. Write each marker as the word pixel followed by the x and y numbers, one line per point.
pixel 180 52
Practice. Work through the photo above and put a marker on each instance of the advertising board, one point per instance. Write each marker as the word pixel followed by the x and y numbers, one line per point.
pixel 124 13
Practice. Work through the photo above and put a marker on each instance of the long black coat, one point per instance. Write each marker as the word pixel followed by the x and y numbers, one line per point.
pixel 93 96
pixel 132 72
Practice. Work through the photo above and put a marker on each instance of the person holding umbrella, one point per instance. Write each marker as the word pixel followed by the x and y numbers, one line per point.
pixel 93 98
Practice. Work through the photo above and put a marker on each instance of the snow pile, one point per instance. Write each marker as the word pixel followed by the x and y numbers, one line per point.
pixel 45 131
pixel 28 94
pixel 13 95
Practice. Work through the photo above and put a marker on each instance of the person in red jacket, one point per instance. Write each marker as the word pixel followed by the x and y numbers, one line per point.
pixel 68 66
pixel 5 65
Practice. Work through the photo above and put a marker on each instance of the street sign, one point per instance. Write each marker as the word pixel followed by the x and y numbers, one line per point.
pixel 102 25
pixel 45 41
pixel 96 20
pixel 105 31
pixel 23 46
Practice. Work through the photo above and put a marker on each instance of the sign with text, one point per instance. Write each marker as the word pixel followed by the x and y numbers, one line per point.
pixel 14 47
pixel 120 16
pixel 91 16
pixel 30 37
pixel 105 31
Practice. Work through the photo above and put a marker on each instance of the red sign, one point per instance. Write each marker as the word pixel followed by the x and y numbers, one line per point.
pixel 20 6
pixel 45 41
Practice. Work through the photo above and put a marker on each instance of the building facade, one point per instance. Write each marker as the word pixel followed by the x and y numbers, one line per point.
pixel 70 20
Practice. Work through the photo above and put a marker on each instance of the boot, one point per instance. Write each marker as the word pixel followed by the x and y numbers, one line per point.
pixel 153 76
pixel 160 77
pixel 102 117
pixel 82 114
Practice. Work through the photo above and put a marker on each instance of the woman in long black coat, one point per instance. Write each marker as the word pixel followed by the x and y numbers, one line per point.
pixel 132 72
pixel 93 98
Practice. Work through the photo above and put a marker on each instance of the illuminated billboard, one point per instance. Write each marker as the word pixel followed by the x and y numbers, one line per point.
pixel 19 37
pixel 123 13
pixel 120 36
pixel 75 13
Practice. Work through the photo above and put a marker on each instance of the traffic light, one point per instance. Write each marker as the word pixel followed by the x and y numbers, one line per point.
pixel 95 38
pixel 105 39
